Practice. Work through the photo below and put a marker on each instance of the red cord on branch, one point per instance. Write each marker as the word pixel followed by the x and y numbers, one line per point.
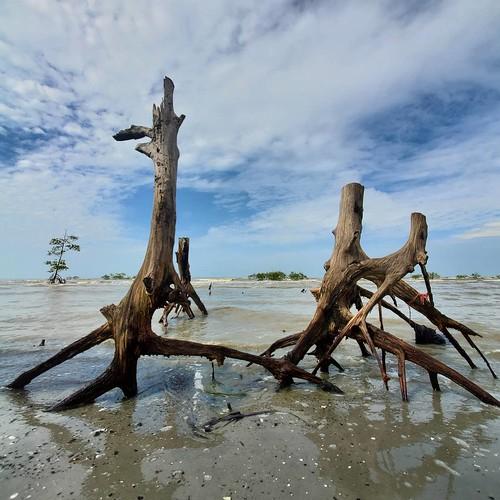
pixel 422 298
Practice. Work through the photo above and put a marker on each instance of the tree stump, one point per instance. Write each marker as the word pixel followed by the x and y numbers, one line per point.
pixel 339 291
pixel 178 299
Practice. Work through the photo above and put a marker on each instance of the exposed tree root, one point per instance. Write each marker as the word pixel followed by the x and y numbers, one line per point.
pixel 407 293
pixel 153 345
pixel 396 346
pixel 102 384
pixel 81 345
pixel 340 290
pixel 282 369
pixel 157 283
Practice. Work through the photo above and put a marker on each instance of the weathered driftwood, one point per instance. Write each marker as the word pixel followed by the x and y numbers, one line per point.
pixel 178 299
pixel 157 282
pixel 129 322
pixel 333 320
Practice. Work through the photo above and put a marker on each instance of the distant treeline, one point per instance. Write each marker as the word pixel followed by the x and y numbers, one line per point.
pixel 432 276
pixel 473 276
pixel 117 276
pixel 277 276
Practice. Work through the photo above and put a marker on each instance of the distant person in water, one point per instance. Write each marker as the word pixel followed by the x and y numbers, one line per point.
pixel 210 289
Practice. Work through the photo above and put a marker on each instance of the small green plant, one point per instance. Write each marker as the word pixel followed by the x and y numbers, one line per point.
pixel 434 276
pixel 277 276
pixel 416 276
pixel 59 246
pixel 461 276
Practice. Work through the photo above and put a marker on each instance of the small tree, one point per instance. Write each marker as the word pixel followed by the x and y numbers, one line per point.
pixel 58 247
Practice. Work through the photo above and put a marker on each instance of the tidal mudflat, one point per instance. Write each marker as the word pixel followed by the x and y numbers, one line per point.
pixel 366 444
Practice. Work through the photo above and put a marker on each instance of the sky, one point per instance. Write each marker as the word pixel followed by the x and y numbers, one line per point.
pixel 285 102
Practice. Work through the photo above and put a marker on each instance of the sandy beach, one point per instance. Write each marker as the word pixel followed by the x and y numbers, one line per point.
pixel 366 444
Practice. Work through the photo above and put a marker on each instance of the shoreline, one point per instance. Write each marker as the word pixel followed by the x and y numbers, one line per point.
pixel 364 444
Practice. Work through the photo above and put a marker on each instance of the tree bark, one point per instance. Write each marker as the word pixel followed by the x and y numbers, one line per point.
pixel 157 282
pixel 340 291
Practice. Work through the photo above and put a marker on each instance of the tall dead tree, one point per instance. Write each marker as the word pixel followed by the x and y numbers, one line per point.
pixel 129 322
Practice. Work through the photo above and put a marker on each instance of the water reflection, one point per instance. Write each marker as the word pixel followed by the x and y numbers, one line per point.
pixel 365 446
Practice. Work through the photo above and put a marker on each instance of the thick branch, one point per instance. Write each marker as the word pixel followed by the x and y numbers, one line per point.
pixel 92 339
pixel 282 369
pixel 89 393
pixel 133 132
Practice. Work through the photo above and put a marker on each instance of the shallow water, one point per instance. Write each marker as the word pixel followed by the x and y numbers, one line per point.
pixel 365 444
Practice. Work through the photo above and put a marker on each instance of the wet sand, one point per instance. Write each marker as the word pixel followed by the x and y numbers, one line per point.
pixel 366 444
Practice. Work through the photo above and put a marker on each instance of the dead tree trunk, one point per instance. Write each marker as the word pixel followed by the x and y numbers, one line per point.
pixel 129 322
pixel 179 299
pixel 333 320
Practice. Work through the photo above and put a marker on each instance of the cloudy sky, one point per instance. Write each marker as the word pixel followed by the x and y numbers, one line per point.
pixel 286 101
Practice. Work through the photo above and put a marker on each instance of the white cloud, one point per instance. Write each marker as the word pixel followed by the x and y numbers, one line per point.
pixel 487 230
pixel 274 96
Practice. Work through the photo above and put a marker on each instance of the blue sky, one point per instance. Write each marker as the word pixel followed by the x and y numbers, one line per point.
pixel 286 101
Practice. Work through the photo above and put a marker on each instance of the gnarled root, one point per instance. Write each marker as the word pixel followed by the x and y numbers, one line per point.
pixel 177 301
pixel 178 298
pixel 339 291
pixel 282 369
pixel 81 345
pixel 99 386
pixel 407 352
pixel 407 293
